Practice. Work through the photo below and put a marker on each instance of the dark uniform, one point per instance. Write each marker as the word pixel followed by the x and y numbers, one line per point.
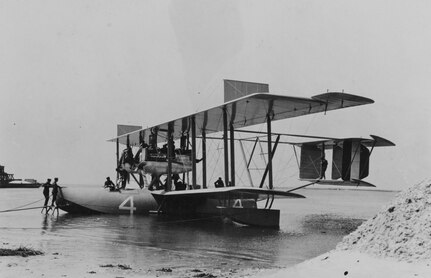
pixel 179 185
pixel 109 184
pixel 324 165
pixel 219 183
pixel 46 187
pixel 54 191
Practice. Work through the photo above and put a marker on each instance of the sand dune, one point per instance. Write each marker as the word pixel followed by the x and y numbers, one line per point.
pixel 394 243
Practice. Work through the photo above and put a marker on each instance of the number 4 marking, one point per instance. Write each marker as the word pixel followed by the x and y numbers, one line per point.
pixel 124 203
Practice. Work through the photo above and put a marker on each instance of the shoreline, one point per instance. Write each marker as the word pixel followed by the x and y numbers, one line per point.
pixel 335 263
pixel 60 265
pixel 341 263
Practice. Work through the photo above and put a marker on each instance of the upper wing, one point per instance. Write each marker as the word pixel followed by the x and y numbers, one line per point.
pixel 247 111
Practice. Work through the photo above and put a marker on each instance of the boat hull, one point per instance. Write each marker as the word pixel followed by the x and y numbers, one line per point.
pixel 144 202
pixel 97 200
pixel 20 185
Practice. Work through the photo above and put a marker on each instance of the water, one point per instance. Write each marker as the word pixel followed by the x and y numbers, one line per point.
pixel 308 227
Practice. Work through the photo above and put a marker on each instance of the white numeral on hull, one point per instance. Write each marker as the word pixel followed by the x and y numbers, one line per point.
pixel 131 206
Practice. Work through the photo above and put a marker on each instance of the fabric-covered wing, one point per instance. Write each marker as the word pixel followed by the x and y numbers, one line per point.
pixel 247 111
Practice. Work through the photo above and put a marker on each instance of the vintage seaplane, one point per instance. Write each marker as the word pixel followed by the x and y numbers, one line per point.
pixel 246 104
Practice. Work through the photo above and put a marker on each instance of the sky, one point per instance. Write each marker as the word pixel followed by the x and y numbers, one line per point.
pixel 70 71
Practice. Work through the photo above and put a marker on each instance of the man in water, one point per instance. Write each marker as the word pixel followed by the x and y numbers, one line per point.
pixel 54 191
pixel 46 187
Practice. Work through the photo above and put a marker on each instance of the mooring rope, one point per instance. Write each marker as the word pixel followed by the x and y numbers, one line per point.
pixel 30 203
pixel 20 208
pixel 12 210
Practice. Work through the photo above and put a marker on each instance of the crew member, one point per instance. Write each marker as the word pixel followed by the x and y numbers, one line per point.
pixel 54 191
pixel 219 183
pixel 109 184
pixel 127 158
pixel 164 149
pixel 324 165
pixel 179 185
pixel 143 146
pixel 46 187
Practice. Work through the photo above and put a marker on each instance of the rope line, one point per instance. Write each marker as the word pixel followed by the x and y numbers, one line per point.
pixel 30 203
pixel 22 207
pixel 12 210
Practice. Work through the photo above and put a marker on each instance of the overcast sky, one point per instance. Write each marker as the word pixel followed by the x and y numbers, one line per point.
pixel 70 71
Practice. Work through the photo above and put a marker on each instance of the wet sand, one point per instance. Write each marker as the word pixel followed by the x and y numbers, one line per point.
pixel 59 265
pixel 331 264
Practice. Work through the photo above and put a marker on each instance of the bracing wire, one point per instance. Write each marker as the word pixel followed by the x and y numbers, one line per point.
pixel 217 159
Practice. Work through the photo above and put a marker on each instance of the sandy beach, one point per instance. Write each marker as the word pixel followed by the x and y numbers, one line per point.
pixel 332 264
pixel 352 264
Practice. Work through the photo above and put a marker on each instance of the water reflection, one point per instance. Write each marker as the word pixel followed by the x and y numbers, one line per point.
pixel 205 242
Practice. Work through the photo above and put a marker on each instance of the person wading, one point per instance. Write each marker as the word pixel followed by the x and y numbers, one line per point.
pixel 46 187
pixel 54 192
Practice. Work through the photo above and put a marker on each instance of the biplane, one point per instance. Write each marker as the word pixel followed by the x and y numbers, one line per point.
pixel 246 104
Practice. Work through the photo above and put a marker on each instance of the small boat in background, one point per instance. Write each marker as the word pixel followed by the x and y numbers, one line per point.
pixel 8 181
pixel 20 183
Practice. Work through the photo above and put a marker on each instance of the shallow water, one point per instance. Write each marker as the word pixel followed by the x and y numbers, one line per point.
pixel 308 227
